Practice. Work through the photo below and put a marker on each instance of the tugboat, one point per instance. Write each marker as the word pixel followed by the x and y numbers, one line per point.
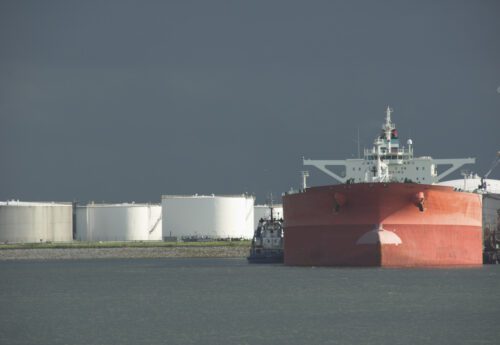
pixel 267 242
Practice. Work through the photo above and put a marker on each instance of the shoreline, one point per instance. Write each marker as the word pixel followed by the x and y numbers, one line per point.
pixel 78 253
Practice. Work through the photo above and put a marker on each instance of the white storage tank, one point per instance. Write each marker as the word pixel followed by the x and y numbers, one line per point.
pixel 491 198
pixel 29 222
pixel 264 211
pixel 208 216
pixel 472 183
pixel 118 222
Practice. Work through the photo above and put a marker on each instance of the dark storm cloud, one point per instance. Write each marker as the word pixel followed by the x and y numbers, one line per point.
pixel 126 100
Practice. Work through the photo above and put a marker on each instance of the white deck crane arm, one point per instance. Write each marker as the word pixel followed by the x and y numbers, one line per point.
pixel 455 165
pixel 322 165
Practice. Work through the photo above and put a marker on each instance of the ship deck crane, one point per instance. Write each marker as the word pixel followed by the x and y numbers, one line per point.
pixel 482 186
pixel 493 165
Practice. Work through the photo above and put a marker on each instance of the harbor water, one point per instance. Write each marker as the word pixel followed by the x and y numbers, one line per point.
pixel 227 301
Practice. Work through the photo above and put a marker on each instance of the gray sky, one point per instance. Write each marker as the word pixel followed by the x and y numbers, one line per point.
pixel 128 100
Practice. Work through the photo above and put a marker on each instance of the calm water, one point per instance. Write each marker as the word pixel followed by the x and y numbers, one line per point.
pixel 227 301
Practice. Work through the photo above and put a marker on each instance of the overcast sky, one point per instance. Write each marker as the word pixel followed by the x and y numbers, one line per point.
pixel 128 100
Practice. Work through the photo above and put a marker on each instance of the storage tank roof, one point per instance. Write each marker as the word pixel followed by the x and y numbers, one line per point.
pixel 33 203
pixel 472 184
pixel 118 205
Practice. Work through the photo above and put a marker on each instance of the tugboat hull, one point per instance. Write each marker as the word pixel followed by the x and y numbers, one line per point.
pixel 262 259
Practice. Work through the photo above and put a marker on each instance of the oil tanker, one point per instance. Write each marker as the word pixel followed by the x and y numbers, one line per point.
pixel 387 210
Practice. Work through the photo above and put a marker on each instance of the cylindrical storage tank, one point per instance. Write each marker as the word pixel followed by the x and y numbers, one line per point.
pixel 208 216
pixel 491 200
pixel 118 222
pixel 29 222
pixel 471 184
pixel 264 212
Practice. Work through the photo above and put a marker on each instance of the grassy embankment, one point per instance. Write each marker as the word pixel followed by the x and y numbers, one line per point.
pixel 137 244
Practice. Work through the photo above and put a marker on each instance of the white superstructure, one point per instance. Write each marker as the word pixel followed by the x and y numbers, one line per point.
pixel 264 212
pixel 29 222
pixel 387 161
pixel 118 222
pixel 208 216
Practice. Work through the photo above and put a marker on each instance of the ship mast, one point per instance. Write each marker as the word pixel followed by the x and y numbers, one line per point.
pixel 305 175
pixel 388 127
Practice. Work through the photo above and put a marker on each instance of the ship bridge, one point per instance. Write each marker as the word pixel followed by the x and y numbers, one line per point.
pixel 387 161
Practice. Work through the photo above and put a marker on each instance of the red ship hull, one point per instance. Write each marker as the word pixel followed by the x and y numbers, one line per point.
pixel 393 225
